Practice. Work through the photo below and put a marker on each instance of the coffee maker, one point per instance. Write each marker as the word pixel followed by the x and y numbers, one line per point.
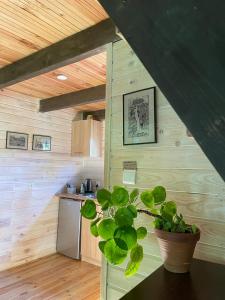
pixel 89 188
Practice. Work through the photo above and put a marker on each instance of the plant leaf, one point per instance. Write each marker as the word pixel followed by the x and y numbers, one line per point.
pixel 88 210
pixel 125 237
pixel 94 230
pixel 124 217
pixel 194 228
pixel 147 198
pixel 133 209
pixel 113 253
pixel 141 233
pixel 132 268
pixel 101 246
pixel 121 244
pixel 104 198
pixel 159 194
pixel 136 254
pixel 167 226
pixel 168 210
pixel 157 223
pixel 120 196
pixel 117 187
pixel 106 228
pixel 134 195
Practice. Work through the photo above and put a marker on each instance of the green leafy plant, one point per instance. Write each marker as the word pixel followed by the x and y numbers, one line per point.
pixel 114 223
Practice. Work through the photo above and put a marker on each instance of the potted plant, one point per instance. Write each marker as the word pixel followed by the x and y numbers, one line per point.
pixel 115 224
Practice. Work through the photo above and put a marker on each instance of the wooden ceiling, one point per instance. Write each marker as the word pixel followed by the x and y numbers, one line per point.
pixel 91 107
pixel 26 26
pixel 84 74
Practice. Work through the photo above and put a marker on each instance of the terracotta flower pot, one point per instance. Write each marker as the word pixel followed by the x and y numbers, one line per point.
pixel 177 249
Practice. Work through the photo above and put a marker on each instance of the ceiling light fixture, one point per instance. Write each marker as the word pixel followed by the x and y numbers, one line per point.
pixel 61 77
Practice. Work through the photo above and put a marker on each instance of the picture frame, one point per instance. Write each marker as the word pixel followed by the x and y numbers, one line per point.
pixel 41 142
pixel 17 140
pixel 139 117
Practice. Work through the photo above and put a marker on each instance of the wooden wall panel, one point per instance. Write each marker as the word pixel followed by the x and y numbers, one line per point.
pixel 176 161
pixel 30 179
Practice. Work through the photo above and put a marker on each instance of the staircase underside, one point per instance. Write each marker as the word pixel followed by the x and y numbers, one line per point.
pixel 182 45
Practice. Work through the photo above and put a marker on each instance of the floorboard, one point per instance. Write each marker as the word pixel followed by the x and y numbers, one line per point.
pixel 54 277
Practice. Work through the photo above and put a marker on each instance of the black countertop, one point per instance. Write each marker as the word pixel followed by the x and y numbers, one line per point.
pixel 206 281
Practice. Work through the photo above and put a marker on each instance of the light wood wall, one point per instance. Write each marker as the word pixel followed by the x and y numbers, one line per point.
pixel 30 179
pixel 176 162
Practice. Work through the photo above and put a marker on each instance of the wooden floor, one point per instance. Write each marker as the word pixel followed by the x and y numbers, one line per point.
pixel 52 277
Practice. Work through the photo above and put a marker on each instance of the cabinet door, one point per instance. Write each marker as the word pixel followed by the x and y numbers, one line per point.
pixel 96 138
pixel 81 138
pixel 89 245
pixel 86 138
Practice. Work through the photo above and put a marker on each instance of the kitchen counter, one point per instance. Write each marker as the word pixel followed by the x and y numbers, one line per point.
pixel 75 197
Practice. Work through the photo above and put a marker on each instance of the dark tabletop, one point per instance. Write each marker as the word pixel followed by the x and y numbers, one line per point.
pixel 206 281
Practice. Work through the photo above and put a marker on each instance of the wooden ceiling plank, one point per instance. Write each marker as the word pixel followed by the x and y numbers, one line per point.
pixel 87 9
pixel 86 76
pixel 98 9
pixel 72 49
pixel 47 85
pixel 22 26
pixel 23 48
pixel 51 16
pixel 29 19
pixel 26 90
pixel 71 16
pixel 3 61
pixel 11 20
pixel 82 97
pixel 67 85
pixel 23 34
pixel 7 53
pixel 71 10
pixel 48 89
pixel 92 69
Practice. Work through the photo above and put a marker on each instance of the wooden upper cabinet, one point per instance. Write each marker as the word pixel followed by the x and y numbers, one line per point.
pixel 87 138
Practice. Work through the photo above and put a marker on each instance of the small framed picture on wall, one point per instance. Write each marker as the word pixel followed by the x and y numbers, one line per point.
pixel 139 117
pixel 41 142
pixel 16 140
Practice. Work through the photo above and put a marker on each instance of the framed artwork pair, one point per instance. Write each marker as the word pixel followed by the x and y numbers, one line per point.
pixel 18 140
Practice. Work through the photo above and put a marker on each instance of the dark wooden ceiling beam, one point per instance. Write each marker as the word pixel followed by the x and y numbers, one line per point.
pixel 98 115
pixel 87 96
pixel 72 49
pixel 181 43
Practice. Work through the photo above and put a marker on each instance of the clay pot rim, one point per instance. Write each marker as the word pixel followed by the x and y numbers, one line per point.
pixel 178 236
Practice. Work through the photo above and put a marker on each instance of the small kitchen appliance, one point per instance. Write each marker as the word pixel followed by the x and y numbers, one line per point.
pixel 88 185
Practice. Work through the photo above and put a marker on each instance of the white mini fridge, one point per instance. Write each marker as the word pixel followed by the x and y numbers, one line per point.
pixel 69 228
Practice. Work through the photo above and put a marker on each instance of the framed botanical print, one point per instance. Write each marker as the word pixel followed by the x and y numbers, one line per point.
pixel 16 140
pixel 41 142
pixel 139 117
